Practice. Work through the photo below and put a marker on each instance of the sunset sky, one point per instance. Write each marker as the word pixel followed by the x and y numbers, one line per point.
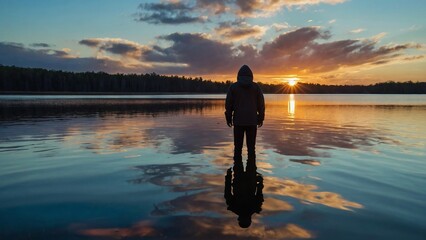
pixel 319 41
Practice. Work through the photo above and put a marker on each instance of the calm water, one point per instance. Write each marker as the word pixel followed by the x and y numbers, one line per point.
pixel 132 167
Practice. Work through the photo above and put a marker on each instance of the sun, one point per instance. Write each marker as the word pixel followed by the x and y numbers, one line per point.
pixel 292 82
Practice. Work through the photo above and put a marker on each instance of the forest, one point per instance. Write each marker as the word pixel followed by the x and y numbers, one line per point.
pixel 41 81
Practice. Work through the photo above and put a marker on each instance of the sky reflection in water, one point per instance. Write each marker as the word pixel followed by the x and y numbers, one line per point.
pixel 110 168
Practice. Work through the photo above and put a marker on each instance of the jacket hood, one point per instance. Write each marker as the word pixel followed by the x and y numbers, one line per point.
pixel 245 76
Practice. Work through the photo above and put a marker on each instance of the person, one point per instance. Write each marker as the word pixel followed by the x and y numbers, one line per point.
pixel 243 195
pixel 245 111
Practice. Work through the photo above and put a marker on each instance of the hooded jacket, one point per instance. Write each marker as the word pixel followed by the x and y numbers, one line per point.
pixel 245 104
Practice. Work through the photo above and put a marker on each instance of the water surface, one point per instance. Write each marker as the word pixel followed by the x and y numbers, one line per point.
pixel 108 167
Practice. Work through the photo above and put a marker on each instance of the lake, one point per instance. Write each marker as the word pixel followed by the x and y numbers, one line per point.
pixel 154 167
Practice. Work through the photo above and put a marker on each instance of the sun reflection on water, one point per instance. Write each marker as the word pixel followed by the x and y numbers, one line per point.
pixel 291 105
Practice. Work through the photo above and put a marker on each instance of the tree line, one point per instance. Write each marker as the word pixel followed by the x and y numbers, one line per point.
pixel 35 80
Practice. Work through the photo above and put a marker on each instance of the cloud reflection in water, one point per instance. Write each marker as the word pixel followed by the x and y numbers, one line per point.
pixel 187 126
pixel 201 211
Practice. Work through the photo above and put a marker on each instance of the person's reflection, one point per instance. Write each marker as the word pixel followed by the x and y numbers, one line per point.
pixel 243 194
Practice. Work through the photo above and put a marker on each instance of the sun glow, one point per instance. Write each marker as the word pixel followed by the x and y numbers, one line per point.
pixel 292 81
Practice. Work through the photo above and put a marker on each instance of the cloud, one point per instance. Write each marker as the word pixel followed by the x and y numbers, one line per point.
pixel 379 36
pixel 198 51
pixel 199 11
pixel 215 6
pixel 358 30
pixel 120 48
pixel 115 46
pixel 93 42
pixel 18 55
pixel 413 58
pixel 168 13
pixel 12 44
pixel 40 45
pixel 289 43
pixel 255 8
pixel 238 30
pixel 278 27
pixel 299 52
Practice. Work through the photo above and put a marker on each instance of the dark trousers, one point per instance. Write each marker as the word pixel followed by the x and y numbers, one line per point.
pixel 250 132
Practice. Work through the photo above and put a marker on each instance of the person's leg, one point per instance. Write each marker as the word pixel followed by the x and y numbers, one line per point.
pixel 238 144
pixel 251 132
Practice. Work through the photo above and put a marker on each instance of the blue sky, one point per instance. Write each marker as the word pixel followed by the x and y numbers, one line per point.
pixel 326 41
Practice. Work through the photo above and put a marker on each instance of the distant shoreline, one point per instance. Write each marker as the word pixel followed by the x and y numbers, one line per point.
pixel 33 81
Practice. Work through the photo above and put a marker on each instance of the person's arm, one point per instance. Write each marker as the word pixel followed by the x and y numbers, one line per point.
pixel 229 107
pixel 260 107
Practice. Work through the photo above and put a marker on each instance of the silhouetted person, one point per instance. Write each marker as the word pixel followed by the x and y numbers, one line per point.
pixel 244 195
pixel 245 110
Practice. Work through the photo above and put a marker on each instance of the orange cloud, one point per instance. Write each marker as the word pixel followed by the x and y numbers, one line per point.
pixel 239 30
pixel 307 193
pixel 253 8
